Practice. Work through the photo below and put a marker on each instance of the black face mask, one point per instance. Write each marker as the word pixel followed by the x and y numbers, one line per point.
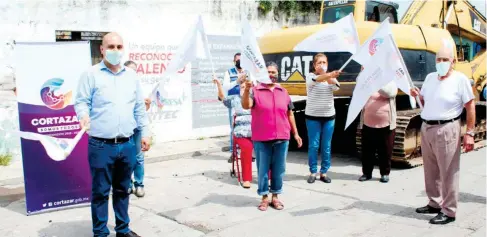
pixel 273 79
pixel 237 64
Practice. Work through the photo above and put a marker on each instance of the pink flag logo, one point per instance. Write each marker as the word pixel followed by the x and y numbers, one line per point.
pixel 374 44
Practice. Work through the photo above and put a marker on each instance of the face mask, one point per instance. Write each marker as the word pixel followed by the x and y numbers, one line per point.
pixel 237 64
pixel 325 68
pixel 443 68
pixel 113 57
pixel 273 79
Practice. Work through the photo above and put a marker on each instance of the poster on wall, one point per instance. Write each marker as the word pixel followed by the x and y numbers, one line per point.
pixel 170 114
pixel 46 88
pixel 208 111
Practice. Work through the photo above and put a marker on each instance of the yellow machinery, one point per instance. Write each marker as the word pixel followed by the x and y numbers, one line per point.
pixel 418 36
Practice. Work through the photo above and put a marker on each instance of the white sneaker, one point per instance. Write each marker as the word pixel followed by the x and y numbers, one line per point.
pixel 139 192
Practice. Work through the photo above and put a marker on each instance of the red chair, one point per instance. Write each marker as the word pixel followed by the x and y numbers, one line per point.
pixel 237 162
pixel 236 159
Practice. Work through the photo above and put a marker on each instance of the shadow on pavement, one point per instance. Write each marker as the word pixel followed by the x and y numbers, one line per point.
pixel 465 197
pixel 13 199
pixel 331 174
pixel 231 200
pixel 377 207
pixel 68 229
pixel 219 157
pixel 222 177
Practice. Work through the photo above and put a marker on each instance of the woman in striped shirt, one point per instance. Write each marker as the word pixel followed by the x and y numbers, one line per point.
pixel 320 116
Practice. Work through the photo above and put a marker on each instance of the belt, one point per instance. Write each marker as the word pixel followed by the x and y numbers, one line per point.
pixel 438 122
pixel 117 140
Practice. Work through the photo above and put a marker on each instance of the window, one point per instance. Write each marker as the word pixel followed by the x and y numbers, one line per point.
pixel 378 12
pixel 95 39
pixel 333 14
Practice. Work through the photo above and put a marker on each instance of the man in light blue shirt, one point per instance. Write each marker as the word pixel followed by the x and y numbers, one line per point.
pixel 110 105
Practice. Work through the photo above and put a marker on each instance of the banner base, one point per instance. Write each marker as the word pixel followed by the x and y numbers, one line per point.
pixel 59 209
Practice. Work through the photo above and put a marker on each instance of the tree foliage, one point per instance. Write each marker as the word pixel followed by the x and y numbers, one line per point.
pixel 289 7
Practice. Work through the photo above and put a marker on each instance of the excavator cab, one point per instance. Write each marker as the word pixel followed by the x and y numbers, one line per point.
pixel 375 11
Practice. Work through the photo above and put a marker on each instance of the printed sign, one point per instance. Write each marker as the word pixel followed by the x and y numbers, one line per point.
pixel 45 97
pixel 208 111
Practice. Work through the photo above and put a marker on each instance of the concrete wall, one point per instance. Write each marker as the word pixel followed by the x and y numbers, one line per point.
pixel 150 22
pixel 37 20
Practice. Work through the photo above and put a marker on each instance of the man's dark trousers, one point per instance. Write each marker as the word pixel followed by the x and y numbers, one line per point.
pixel 111 165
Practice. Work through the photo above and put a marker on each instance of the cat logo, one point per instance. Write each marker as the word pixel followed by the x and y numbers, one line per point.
pixel 296 76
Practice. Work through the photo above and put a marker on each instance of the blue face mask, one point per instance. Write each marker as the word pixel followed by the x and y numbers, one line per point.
pixel 113 57
pixel 443 68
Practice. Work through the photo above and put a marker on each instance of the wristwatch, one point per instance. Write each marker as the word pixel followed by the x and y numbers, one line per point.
pixel 471 133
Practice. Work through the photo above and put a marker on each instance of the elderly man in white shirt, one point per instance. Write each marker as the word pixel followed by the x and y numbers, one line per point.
pixel 444 94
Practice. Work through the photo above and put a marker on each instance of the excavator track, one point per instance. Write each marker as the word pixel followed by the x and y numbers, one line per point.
pixel 407 142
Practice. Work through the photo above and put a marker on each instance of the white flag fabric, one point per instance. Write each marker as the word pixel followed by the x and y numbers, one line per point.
pixel 340 36
pixel 251 59
pixel 57 149
pixel 384 66
pixel 369 48
pixel 194 45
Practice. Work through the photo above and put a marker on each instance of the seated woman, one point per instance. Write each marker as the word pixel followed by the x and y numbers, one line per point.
pixel 241 130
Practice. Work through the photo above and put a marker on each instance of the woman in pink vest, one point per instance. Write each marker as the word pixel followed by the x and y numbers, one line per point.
pixel 272 122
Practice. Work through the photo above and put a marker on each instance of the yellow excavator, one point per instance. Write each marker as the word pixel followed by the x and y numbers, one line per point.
pixel 418 35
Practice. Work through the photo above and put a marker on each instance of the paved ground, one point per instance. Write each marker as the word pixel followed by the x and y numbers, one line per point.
pixel 190 195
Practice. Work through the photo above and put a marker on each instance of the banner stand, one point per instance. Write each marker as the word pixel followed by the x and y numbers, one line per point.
pixel 47 75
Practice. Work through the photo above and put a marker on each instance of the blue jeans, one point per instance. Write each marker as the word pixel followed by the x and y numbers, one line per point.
pixel 139 165
pixel 319 130
pixel 111 165
pixel 230 119
pixel 270 155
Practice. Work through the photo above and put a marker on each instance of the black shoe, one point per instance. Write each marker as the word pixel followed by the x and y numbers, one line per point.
pixel 129 234
pixel 230 160
pixel 364 178
pixel 441 219
pixel 384 179
pixel 311 178
pixel 325 179
pixel 428 210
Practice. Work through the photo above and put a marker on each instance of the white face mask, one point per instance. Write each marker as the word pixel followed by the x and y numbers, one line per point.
pixel 114 57
pixel 443 68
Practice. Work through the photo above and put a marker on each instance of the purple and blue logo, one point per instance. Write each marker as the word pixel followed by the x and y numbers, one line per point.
pixel 50 98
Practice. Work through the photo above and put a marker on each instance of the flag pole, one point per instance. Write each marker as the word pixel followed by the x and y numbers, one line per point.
pixel 407 72
pixel 346 63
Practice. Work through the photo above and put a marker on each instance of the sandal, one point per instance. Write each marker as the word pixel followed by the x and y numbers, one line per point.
pixel 263 205
pixel 276 204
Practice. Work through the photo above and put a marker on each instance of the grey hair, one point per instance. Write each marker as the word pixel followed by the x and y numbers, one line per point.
pixel 271 64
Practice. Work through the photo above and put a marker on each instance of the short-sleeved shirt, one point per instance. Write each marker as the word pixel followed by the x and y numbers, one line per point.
pixel 320 103
pixel 445 99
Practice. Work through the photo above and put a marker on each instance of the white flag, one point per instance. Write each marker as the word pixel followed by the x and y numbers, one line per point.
pixel 57 149
pixel 384 66
pixel 340 36
pixel 194 45
pixel 369 48
pixel 251 59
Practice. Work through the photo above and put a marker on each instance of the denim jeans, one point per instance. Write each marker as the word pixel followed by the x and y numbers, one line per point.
pixel 139 166
pixel 319 130
pixel 230 119
pixel 270 155
pixel 111 165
